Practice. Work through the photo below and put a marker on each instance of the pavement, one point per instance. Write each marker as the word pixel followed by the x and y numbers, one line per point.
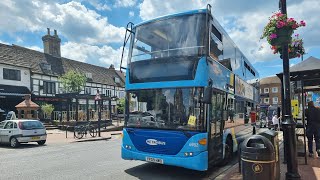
pixel 309 171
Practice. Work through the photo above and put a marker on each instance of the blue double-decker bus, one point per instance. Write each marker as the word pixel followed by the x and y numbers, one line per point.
pixel 187 92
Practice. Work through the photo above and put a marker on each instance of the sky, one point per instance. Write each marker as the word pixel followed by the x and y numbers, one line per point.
pixel 92 31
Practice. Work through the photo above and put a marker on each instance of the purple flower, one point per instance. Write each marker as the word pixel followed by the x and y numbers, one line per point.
pixel 273 36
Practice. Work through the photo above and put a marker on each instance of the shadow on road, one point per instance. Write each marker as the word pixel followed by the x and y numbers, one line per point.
pixel 158 171
pixel 22 146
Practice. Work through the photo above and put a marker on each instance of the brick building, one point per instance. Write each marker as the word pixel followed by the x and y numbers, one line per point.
pixel 270 92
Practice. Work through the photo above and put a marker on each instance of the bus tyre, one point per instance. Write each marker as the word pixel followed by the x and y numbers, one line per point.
pixel 228 152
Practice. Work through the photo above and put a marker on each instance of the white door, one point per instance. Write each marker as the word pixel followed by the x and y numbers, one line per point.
pixel 7 132
pixel 1 129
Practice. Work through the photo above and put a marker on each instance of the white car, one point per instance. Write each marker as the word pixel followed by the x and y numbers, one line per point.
pixel 14 132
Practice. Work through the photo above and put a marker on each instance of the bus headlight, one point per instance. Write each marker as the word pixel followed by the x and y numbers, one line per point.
pixel 127 147
pixel 188 154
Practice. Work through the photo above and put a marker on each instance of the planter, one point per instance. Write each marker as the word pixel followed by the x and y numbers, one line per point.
pixel 291 55
pixel 283 37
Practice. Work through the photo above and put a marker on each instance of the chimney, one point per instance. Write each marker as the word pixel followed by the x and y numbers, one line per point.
pixel 51 44
pixel 111 66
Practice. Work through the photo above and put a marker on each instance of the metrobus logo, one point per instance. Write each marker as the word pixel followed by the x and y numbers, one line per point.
pixel 154 142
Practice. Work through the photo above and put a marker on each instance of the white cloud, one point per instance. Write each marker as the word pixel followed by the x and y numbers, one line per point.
pixel 153 8
pixel 36 48
pixel 3 42
pixel 73 20
pixel 125 3
pixel 131 14
pixel 245 20
pixel 105 55
pixel 99 6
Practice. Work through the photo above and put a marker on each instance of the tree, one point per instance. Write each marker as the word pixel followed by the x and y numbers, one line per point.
pixel 121 105
pixel 47 109
pixel 73 82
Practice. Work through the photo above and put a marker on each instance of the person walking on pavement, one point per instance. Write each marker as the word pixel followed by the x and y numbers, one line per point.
pixel 231 114
pixel 313 128
pixel 275 122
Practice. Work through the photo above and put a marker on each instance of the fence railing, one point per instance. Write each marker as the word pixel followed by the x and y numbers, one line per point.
pixel 82 115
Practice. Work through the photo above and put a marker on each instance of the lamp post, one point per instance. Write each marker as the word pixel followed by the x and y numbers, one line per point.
pixel 288 124
pixel 98 98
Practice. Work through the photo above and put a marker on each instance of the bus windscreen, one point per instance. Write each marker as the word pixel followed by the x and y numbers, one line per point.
pixel 174 108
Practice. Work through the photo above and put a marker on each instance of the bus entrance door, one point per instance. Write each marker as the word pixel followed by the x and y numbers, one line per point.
pixel 216 110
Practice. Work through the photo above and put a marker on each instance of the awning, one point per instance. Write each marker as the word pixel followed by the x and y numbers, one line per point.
pixel 7 90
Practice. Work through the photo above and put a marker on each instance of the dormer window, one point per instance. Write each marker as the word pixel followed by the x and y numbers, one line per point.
pixel 45 66
pixel 89 75
pixel 116 80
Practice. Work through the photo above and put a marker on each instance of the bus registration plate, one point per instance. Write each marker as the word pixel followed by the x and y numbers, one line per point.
pixel 154 160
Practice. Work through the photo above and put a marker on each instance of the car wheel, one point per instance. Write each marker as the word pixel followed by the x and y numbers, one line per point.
pixel 14 142
pixel 41 142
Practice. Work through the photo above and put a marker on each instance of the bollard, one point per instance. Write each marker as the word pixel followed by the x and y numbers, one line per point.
pixel 67 131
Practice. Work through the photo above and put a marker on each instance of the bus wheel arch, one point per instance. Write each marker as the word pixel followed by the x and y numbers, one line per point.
pixel 228 150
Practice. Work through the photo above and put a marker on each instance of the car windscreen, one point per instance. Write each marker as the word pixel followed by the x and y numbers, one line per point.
pixel 26 125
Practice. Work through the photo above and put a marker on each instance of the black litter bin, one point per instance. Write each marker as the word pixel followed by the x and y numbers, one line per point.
pixel 273 138
pixel 257 159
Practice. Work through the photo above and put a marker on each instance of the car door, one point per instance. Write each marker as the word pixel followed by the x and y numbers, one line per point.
pixel 1 129
pixel 7 132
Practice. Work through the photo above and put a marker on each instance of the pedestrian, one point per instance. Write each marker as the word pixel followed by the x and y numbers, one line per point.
pixel 313 128
pixel 231 114
pixel 275 122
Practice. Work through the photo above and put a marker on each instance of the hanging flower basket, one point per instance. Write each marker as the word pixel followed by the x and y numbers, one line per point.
pixel 279 29
pixel 295 48
pixel 283 37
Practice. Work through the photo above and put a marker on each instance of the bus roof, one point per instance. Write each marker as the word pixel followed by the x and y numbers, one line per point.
pixel 198 11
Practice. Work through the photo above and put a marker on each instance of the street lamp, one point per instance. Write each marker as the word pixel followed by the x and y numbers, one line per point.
pixel 288 124
pixel 98 98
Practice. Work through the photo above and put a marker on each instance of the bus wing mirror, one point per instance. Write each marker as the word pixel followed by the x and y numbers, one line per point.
pixel 207 95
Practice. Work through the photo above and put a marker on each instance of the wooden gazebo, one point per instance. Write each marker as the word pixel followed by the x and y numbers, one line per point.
pixel 27 109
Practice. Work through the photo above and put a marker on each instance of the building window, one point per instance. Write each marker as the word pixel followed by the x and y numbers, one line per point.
pixel 122 95
pixel 274 89
pixel 49 87
pixel 11 74
pixel 113 93
pixel 88 90
pixel 116 80
pixel 108 92
pixel 275 100
pixel 266 90
pixel 266 100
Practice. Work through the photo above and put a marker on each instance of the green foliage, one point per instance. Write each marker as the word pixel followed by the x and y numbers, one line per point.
pixel 47 109
pixel 121 105
pixel 73 81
